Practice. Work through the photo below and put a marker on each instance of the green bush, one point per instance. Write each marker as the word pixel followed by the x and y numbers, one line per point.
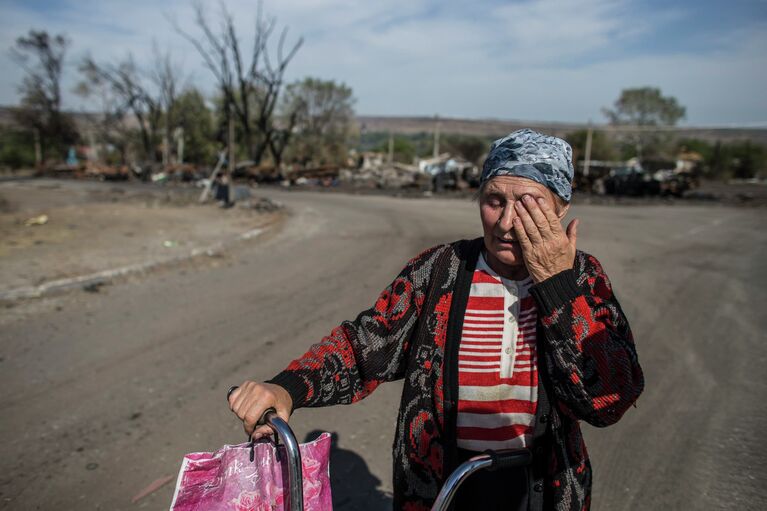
pixel 17 149
pixel 739 159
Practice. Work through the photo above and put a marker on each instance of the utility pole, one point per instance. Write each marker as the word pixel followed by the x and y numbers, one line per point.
pixel 165 146
pixel 230 165
pixel 436 136
pixel 38 149
pixel 587 156
pixel 178 135
pixel 230 141
pixel 391 148
pixel 93 154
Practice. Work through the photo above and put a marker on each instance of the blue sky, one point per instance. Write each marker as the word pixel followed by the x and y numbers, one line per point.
pixel 548 60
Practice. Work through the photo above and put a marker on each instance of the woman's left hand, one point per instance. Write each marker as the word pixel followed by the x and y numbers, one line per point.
pixel 546 247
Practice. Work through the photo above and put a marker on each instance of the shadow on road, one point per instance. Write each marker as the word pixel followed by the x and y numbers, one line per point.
pixel 352 484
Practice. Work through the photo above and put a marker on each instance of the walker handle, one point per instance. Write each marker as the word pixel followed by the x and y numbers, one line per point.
pixel 489 460
pixel 509 458
pixel 295 497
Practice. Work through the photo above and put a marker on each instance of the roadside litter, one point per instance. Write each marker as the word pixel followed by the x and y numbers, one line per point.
pixel 151 488
pixel 37 220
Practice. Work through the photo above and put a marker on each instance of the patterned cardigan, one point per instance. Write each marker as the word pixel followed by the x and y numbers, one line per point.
pixel 588 371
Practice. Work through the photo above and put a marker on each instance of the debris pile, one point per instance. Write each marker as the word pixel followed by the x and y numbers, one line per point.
pixel 387 176
pixel 377 170
pixel 672 176
pixel 632 178
pixel 323 175
pixel 263 205
pixel 450 173
pixel 106 172
pixel 250 171
pixel 183 172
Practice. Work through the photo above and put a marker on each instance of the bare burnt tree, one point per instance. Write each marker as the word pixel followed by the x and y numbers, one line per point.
pixel 42 57
pixel 281 136
pixel 126 82
pixel 250 88
pixel 109 125
pixel 167 78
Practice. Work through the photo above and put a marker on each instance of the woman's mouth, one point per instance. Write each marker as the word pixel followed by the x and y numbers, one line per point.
pixel 506 242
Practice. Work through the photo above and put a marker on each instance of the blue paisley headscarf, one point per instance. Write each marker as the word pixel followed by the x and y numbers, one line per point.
pixel 527 153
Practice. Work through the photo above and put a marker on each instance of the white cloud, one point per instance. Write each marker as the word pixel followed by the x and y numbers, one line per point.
pixel 531 59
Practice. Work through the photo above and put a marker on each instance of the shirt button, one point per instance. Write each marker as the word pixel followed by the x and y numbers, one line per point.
pixel 508 351
pixel 538 487
pixel 544 418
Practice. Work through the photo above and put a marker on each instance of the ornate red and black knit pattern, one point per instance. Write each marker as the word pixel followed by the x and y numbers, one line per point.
pixel 586 356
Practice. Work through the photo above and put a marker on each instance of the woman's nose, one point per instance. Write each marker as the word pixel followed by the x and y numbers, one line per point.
pixel 505 222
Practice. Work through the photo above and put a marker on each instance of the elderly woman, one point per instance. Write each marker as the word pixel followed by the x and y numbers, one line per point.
pixel 505 341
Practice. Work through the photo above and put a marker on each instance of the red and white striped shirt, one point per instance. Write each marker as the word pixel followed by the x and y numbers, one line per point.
pixel 497 364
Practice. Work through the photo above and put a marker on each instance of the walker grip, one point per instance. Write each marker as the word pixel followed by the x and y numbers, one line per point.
pixel 512 458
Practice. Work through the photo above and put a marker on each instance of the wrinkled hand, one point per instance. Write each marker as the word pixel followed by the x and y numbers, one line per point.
pixel 546 247
pixel 251 400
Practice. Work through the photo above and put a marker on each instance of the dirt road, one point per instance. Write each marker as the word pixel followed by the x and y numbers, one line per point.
pixel 103 393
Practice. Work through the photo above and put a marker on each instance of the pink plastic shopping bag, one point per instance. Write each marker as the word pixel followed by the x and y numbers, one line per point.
pixel 226 480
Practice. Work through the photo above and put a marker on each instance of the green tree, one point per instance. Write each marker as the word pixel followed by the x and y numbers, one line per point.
pixel 191 114
pixel 702 147
pixel 738 159
pixel 601 146
pixel 16 149
pixel 323 114
pixel 746 159
pixel 410 145
pixel 469 147
pixel 640 110
pixel 42 57
pixel 403 148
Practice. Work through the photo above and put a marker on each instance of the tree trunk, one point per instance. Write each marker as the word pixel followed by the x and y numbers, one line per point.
pixel 258 153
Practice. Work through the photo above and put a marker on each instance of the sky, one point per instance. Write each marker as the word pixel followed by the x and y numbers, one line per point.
pixel 537 60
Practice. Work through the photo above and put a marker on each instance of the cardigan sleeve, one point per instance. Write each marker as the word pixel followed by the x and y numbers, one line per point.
pixel 587 344
pixel 357 356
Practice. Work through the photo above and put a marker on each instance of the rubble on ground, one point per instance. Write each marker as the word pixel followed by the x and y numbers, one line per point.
pixel 673 176
pixel 262 204
pixel 387 176
pixel 250 171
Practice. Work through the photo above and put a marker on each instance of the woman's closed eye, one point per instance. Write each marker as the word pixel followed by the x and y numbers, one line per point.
pixel 495 202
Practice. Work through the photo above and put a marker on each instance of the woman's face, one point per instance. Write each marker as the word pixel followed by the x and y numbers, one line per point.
pixel 496 207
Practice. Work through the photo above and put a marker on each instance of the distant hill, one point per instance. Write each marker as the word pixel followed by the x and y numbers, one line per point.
pixel 499 128
pixel 482 127
pixel 83 120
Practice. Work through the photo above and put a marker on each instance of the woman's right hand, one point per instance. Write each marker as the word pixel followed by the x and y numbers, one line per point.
pixel 250 400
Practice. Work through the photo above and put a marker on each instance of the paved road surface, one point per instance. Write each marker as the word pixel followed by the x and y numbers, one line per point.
pixel 103 393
